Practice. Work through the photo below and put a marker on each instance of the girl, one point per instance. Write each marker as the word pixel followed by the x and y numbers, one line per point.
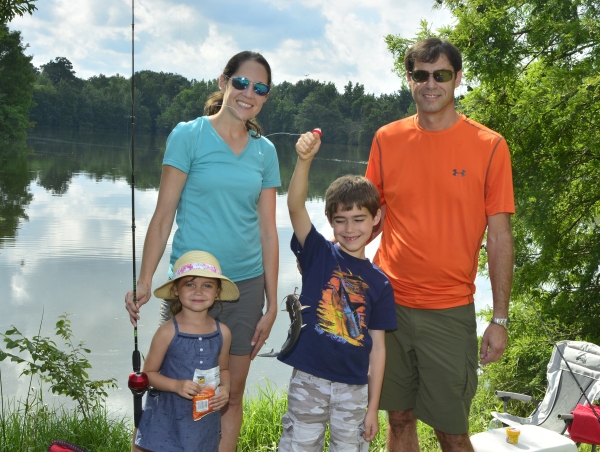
pixel 218 183
pixel 190 345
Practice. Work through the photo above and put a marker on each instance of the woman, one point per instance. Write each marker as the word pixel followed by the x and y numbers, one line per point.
pixel 219 182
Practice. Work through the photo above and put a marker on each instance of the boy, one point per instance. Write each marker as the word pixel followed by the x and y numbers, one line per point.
pixel 339 357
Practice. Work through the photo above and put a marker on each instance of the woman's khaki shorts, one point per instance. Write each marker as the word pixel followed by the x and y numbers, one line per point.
pixel 240 316
pixel 431 366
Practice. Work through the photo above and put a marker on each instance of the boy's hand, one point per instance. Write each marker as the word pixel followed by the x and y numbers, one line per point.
pixel 188 389
pixel 308 145
pixel 371 425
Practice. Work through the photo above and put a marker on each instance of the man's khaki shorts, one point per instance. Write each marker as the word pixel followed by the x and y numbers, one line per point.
pixel 431 366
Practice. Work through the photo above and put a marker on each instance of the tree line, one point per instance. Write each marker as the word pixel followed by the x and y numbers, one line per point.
pixel 61 99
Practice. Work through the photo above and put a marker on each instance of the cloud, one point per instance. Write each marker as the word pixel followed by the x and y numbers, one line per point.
pixel 330 40
pixel 19 292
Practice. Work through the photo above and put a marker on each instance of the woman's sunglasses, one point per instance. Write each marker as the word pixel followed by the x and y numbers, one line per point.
pixel 242 83
pixel 440 76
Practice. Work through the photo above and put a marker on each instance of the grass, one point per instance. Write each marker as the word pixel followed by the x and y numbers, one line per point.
pixel 31 425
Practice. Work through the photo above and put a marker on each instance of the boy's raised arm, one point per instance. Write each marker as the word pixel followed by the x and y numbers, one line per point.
pixel 307 146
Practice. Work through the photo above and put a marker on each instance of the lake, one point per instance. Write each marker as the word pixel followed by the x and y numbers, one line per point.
pixel 66 245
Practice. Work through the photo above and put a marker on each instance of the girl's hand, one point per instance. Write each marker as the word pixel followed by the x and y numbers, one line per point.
pixel 371 425
pixel 308 145
pixel 187 389
pixel 219 400
pixel 142 292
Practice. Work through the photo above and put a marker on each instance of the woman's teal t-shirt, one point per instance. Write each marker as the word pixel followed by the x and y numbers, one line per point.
pixel 217 211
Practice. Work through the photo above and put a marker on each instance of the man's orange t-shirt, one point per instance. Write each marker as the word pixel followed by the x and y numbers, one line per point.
pixel 439 188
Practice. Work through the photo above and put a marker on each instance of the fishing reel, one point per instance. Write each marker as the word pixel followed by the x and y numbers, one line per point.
pixel 138 384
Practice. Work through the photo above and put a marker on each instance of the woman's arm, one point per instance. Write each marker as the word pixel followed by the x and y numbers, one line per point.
pixel 171 185
pixel 270 256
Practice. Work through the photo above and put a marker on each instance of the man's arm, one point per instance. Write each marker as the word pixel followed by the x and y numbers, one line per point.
pixel 500 264
pixel 307 147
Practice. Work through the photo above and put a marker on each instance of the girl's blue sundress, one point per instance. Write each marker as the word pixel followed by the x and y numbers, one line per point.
pixel 167 423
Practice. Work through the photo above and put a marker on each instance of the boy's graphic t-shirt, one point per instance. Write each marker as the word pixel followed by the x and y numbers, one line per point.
pixel 344 297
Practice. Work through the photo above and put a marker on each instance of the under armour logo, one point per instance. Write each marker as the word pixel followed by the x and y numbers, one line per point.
pixel 581 358
pixel 455 172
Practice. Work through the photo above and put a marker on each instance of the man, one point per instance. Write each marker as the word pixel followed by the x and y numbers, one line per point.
pixel 443 179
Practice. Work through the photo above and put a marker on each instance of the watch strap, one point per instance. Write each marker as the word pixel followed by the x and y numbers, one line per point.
pixel 502 321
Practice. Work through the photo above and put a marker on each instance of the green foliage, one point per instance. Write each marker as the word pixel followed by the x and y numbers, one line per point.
pixel 534 68
pixel 523 366
pixel 533 73
pixel 32 425
pixel 398 46
pixel 64 100
pixel 185 105
pixel 162 100
pixel 9 9
pixel 16 88
pixel 66 371
pixel 60 69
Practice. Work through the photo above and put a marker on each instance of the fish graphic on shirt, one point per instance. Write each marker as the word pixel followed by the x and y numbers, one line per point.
pixel 341 308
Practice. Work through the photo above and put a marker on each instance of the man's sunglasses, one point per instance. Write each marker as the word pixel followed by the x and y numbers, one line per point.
pixel 440 76
pixel 242 83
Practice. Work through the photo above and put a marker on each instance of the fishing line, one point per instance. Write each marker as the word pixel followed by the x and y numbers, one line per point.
pixel 270 134
pixel 283 133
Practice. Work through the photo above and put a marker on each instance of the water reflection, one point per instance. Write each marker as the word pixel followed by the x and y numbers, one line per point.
pixel 15 195
pixel 65 244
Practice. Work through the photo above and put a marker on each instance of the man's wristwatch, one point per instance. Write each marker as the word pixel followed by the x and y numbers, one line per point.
pixel 505 322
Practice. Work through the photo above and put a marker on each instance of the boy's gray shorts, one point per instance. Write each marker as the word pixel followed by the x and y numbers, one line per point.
pixel 240 316
pixel 312 403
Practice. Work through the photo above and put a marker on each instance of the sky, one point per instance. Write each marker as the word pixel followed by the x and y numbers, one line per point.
pixel 328 40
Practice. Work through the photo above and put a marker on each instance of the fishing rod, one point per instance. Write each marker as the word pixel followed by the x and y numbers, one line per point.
pixel 138 381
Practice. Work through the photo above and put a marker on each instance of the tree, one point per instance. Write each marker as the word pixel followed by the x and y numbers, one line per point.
pixel 187 105
pixel 60 69
pixel 533 74
pixel 16 87
pixel 9 9
pixel 157 91
pixel 320 109
pixel 535 71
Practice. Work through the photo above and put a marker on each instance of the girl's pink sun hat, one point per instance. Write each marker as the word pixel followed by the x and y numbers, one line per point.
pixel 198 263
